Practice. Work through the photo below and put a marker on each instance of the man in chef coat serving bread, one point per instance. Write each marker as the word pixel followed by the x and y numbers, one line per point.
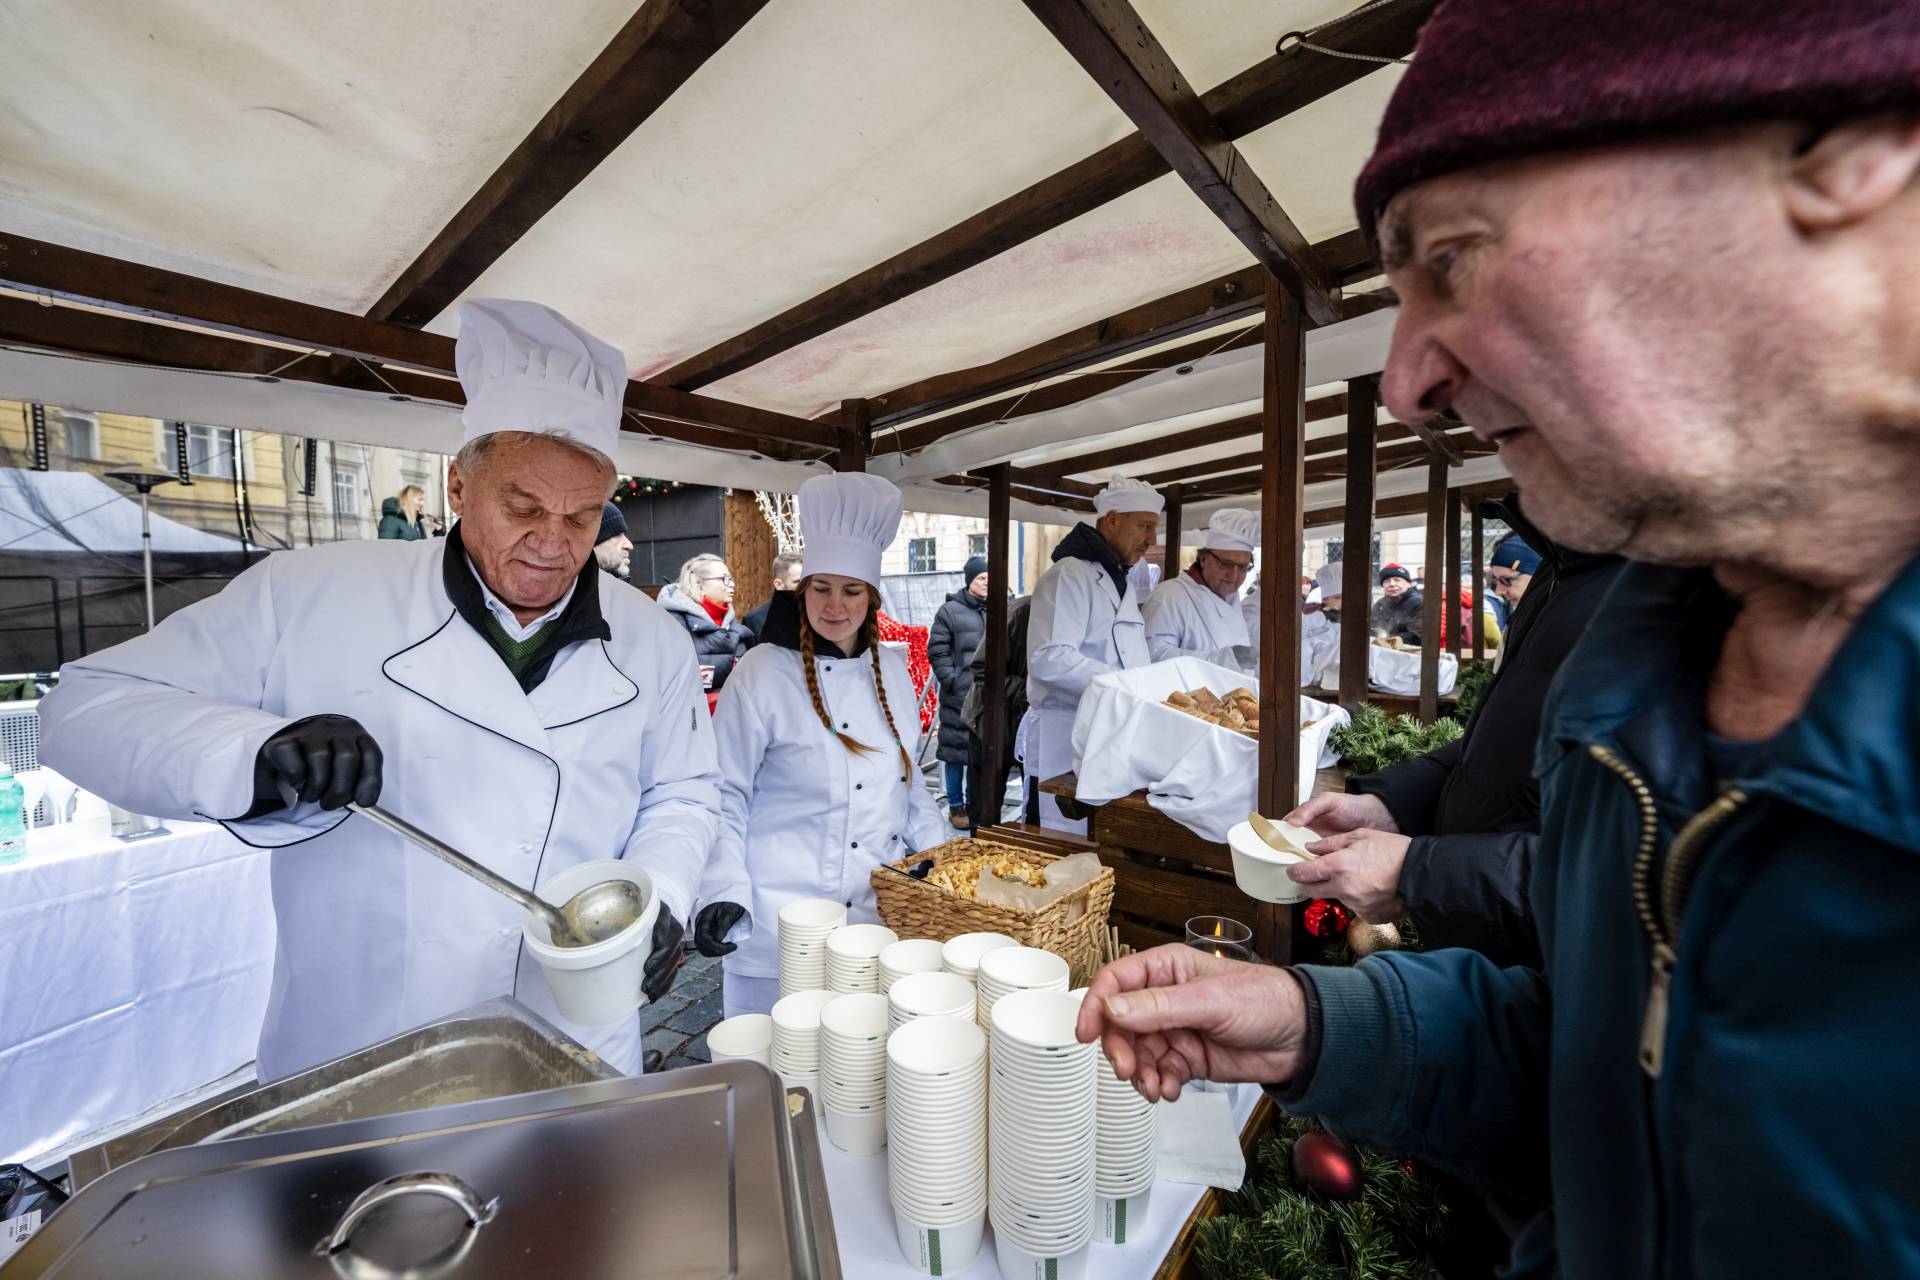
pixel 483 687
pixel 1083 623
pixel 1197 613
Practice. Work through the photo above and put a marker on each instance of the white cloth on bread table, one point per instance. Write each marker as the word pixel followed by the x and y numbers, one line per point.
pixel 1204 777
pixel 135 972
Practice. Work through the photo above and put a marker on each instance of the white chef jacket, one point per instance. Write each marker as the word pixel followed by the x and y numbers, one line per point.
pixel 1184 616
pixel 801 815
pixel 611 756
pixel 1079 626
pixel 1319 641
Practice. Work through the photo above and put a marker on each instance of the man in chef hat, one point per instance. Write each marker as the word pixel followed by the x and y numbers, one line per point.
pixel 1319 627
pixel 1083 623
pixel 1197 613
pixel 482 687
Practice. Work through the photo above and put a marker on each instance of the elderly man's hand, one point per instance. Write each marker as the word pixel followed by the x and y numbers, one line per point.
pixel 1362 869
pixel 1174 1014
pixel 1337 814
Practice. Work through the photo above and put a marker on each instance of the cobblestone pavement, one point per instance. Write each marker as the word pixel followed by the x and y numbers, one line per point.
pixel 677 1025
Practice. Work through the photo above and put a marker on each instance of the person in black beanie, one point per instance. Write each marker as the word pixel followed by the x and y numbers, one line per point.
pixel 1397 612
pixel 957 629
pixel 613 549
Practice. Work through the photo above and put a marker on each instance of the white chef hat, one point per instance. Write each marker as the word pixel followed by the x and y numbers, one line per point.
pixel 1329 578
pixel 846 521
pixel 526 367
pixel 1123 494
pixel 1232 529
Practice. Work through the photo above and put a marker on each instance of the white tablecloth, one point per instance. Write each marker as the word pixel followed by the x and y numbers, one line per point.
pixel 130 973
pixel 870 1248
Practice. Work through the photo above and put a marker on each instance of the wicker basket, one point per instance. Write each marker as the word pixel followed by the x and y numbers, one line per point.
pixel 1072 927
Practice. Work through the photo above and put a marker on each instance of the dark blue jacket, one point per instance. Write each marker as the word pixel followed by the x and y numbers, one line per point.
pixel 1777 1137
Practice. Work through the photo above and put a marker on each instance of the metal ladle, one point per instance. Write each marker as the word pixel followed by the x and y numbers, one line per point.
pixel 592 915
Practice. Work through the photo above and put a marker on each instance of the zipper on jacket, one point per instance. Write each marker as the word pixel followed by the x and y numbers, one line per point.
pixel 1663 924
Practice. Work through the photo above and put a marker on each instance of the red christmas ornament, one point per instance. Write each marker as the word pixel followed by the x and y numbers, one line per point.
pixel 1325 918
pixel 1327 1166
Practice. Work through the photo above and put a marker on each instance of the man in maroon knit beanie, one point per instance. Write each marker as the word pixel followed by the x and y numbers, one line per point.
pixel 1665 254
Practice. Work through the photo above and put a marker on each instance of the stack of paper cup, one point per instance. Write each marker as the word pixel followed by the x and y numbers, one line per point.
pixel 853 956
pixel 745 1038
pixel 804 926
pixel 929 995
pixel 1009 969
pixel 1041 1136
pixel 1124 1161
pixel 853 1071
pixel 909 955
pixel 937 1141
pixel 961 955
pixel 796 1038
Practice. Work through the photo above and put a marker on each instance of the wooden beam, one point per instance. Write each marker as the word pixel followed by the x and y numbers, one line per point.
pixel 35 266
pixel 856 426
pixel 1411 504
pixel 1452 602
pixel 1356 578
pixel 1478 561
pixel 1275 87
pixel 1283 413
pixel 994 733
pixel 1176 502
pixel 1432 431
pixel 1043 499
pixel 1195 438
pixel 1059 395
pixel 1329 452
pixel 1348 256
pixel 1111 43
pixel 1430 598
pixel 1321 469
pixel 1162 320
pixel 1032 481
pixel 658 49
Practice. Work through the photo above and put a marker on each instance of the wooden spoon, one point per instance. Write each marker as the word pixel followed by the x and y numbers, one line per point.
pixel 1273 837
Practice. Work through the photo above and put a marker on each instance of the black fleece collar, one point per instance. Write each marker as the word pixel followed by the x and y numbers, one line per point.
pixel 1083 542
pixel 581 620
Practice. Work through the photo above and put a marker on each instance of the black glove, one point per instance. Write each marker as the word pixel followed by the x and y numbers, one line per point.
pixel 329 759
pixel 664 962
pixel 711 926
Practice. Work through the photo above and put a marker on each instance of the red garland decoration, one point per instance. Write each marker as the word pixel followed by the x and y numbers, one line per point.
pixel 919 667
pixel 1325 918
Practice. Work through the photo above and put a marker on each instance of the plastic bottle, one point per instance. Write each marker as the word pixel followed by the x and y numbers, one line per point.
pixel 13 817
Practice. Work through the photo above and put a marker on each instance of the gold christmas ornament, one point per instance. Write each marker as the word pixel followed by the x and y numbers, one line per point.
pixel 1364 939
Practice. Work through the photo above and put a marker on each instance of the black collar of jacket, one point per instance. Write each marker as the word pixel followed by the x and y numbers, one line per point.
pixel 1083 542
pixel 582 619
pixel 783 628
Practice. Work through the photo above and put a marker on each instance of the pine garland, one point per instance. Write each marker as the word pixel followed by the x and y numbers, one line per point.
pixel 1276 1229
pixel 1375 740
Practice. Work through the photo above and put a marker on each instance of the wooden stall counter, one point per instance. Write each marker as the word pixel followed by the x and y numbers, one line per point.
pixel 1164 874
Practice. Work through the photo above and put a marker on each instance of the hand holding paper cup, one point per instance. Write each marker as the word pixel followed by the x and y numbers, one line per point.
pixel 1260 864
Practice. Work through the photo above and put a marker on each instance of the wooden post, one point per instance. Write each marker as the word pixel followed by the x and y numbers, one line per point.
pixel 1356 590
pixel 854 429
pixel 1479 568
pixel 1282 533
pixel 1452 602
pixel 993 717
pixel 1170 567
pixel 1435 577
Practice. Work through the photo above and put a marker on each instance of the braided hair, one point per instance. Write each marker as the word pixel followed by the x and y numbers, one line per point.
pixel 870 630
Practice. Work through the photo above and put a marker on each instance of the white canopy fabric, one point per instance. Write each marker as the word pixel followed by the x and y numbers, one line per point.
pixel 312 153
pixel 78 511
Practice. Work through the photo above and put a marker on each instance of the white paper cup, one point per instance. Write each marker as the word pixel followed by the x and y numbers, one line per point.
pixel 858 1133
pixel 1017 1263
pixel 908 956
pixel 812 916
pixel 931 995
pixel 1260 869
pixel 861 941
pixel 746 1038
pixel 961 955
pixel 598 984
pixel 1023 969
pixel 940 1251
pixel 1120 1219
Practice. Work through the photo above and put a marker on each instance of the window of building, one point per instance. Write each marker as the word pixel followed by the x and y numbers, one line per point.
pixel 210 451
pixel 921 555
pixel 82 433
pixel 976 544
pixel 346 489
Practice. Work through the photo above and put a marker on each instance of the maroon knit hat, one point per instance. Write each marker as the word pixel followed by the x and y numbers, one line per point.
pixel 1497 79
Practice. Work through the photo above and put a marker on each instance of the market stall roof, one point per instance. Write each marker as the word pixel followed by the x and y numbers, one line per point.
pixel 773 206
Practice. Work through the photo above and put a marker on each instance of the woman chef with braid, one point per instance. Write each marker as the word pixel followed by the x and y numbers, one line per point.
pixel 817 785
